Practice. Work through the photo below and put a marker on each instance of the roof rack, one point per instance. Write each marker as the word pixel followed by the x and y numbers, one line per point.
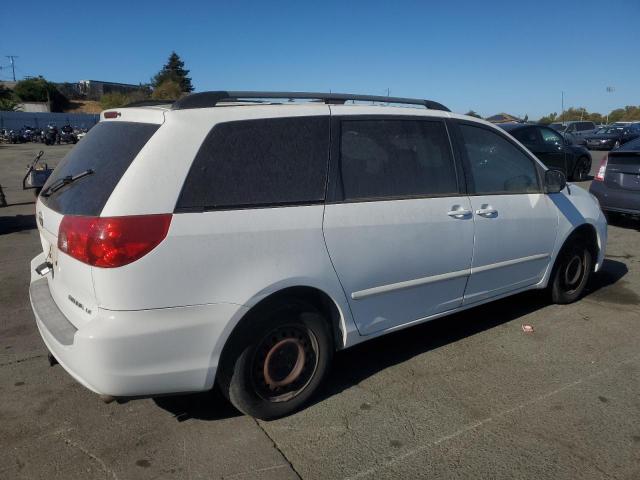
pixel 149 103
pixel 211 99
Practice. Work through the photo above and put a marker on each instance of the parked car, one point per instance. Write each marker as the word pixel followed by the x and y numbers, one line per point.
pixel 617 183
pixel 579 129
pixel 220 240
pixel 630 132
pixel 605 138
pixel 553 149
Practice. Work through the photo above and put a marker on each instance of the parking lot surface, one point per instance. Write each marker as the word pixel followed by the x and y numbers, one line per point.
pixel 467 396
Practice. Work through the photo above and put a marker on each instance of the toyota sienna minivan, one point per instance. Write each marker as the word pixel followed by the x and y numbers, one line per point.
pixel 239 239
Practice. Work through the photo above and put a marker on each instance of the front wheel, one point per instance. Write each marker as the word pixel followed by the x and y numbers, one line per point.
pixel 272 366
pixel 571 273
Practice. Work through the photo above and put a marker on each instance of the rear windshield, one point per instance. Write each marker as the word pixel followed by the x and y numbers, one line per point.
pixel 108 149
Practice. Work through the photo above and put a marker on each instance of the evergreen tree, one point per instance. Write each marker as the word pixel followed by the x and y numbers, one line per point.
pixel 174 70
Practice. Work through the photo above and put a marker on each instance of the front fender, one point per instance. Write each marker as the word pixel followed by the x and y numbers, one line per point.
pixel 577 207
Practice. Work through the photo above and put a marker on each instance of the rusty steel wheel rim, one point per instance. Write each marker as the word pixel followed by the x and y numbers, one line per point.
pixel 284 363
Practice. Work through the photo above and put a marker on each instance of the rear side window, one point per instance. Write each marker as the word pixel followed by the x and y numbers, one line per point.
pixel 528 136
pixel 108 149
pixel 395 158
pixel 497 165
pixel 266 162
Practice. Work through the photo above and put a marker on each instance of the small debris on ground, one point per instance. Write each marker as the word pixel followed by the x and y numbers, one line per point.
pixel 527 328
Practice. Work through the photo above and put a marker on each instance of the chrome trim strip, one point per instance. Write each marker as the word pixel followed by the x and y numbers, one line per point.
pixel 442 277
pixel 409 284
pixel 508 263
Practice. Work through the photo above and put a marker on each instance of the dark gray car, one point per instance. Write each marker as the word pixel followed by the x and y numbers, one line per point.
pixel 579 129
pixel 617 182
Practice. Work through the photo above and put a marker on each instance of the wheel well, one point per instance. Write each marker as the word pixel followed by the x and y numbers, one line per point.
pixel 310 295
pixel 587 234
pixel 578 161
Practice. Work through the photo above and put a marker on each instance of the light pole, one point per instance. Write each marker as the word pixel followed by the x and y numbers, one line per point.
pixel 562 110
pixel 610 90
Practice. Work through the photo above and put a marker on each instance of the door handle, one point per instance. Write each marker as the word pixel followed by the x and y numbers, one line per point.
pixel 486 211
pixel 458 212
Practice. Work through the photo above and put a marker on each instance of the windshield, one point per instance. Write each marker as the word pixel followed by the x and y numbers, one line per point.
pixel 107 151
pixel 557 126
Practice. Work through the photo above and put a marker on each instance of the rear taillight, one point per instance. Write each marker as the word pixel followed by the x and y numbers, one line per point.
pixel 602 169
pixel 110 242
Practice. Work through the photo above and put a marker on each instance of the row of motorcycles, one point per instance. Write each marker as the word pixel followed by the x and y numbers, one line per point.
pixel 49 136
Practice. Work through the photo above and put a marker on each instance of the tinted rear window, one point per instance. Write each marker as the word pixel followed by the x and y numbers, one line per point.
pixel 253 163
pixel 396 159
pixel 108 149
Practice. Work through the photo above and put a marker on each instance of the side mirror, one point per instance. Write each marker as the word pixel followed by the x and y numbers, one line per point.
pixel 554 181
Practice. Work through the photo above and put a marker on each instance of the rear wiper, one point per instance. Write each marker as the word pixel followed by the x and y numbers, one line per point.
pixel 65 181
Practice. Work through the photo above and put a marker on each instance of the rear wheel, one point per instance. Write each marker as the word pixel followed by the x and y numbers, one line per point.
pixel 581 170
pixel 571 272
pixel 273 365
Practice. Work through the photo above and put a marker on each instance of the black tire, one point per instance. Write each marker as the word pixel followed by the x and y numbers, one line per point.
pixel 272 366
pixel 571 272
pixel 581 170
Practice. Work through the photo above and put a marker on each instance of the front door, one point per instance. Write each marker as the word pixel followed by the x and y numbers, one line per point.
pixel 552 150
pixel 515 222
pixel 399 233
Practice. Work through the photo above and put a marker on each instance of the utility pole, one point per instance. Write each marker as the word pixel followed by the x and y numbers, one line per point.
pixel 562 111
pixel 13 66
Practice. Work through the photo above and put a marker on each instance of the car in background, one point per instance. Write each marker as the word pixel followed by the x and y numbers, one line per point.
pixel 579 129
pixel 617 183
pixel 631 132
pixel 606 138
pixel 552 149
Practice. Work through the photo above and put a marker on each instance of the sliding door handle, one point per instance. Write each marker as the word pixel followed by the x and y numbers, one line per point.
pixel 487 211
pixel 459 213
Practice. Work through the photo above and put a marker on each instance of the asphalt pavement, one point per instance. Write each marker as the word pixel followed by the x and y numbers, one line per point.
pixel 467 396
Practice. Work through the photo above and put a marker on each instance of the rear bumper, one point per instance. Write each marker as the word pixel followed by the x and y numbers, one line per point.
pixel 616 200
pixel 137 353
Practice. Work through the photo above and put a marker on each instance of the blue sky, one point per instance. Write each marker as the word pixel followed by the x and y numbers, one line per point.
pixel 491 56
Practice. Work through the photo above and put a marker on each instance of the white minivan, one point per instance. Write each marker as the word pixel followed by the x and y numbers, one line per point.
pixel 240 238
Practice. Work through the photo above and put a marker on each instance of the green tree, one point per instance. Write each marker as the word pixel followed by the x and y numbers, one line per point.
pixel 8 101
pixel 113 100
pixel 174 70
pixel 547 119
pixel 473 113
pixel 8 105
pixel 167 90
pixel 630 113
pixel 40 90
pixel 616 115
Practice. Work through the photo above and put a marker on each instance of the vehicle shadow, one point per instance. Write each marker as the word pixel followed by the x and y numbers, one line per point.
pixel 17 223
pixel 354 365
pixel 623 221
pixel 209 405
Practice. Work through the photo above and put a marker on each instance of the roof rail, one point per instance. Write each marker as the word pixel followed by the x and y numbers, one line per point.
pixel 149 103
pixel 211 99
